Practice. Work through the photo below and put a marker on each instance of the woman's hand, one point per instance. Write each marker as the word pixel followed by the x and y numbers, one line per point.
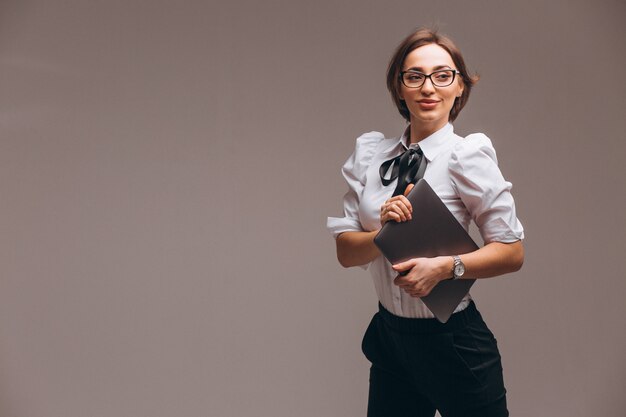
pixel 423 274
pixel 397 208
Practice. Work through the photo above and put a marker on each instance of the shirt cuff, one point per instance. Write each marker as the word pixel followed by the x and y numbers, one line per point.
pixel 498 230
pixel 338 225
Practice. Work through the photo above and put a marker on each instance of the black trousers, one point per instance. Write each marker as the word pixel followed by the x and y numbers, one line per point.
pixel 421 365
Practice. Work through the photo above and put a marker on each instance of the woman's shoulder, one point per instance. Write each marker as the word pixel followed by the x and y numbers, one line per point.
pixel 475 146
pixel 371 143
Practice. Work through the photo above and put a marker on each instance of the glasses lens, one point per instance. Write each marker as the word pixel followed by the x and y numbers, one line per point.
pixel 442 78
pixel 413 79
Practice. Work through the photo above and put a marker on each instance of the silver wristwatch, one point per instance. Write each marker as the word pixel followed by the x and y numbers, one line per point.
pixel 459 267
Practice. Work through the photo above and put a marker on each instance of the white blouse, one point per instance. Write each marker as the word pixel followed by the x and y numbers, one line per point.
pixel 462 171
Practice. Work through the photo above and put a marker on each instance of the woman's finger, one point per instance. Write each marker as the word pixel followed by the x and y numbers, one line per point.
pixel 386 211
pixel 394 216
pixel 399 205
pixel 405 210
pixel 404 201
pixel 400 208
pixel 390 216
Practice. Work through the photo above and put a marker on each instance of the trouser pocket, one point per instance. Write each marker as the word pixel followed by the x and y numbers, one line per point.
pixel 369 342
pixel 476 349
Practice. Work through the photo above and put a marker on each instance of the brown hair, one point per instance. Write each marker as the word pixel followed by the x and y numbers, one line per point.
pixel 421 37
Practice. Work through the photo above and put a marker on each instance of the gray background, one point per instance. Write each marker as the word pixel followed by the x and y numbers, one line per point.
pixel 166 169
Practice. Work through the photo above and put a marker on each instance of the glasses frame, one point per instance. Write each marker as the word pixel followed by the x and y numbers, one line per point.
pixel 454 73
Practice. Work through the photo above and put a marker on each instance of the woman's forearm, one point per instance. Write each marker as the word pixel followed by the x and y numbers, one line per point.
pixel 422 274
pixel 493 259
pixel 356 248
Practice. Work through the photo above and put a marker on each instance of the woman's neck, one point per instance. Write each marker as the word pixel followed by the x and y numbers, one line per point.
pixel 419 130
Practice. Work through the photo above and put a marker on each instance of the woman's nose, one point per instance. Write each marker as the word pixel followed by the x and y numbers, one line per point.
pixel 428 85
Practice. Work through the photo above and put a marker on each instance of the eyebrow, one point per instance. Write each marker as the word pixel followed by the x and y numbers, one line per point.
pixel 420 69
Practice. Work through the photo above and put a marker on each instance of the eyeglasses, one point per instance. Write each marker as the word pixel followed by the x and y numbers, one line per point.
pixel 440 78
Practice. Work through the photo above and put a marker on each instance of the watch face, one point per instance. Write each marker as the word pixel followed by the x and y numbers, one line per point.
pixel 459 270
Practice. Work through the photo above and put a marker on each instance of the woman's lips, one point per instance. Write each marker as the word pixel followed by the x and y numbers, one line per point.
pixel 427 104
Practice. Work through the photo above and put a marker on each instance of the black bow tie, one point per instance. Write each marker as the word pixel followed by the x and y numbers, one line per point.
pixel 405 167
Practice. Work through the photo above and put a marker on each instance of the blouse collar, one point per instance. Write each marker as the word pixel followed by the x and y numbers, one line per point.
pixel 433 144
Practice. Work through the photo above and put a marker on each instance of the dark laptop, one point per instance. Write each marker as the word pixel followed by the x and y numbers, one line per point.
pixel 432 231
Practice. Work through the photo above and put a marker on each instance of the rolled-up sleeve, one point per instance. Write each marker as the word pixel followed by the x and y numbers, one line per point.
pixel 354 171
pixel 484 191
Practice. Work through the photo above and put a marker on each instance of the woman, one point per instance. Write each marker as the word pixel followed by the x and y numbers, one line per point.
pixel 420 365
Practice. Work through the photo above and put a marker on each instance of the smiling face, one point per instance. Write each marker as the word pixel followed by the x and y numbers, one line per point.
pixel 429 106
